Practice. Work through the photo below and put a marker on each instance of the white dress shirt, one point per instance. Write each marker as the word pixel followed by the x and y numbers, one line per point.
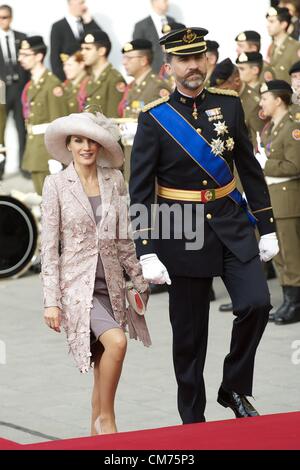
pixel 12 44
pixel 159 22
pixel 73 22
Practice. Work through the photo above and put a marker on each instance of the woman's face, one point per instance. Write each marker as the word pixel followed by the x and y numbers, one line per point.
pixel 85 151
pixel 269 103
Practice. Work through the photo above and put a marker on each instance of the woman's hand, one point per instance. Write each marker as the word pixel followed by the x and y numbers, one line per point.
pixel 52 317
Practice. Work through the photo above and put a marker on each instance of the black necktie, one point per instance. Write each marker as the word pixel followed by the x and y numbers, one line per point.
pixel 80 28
pixel 9 56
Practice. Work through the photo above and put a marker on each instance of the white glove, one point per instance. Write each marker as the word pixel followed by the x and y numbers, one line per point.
pixel 153 270
pixel 268 247
pixel 261 156
pixel 54 167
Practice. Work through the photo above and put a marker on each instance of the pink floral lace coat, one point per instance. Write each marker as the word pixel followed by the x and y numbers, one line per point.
pixel 68 280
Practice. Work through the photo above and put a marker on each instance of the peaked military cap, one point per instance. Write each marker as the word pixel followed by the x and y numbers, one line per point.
pixel 251 36
pixel 276 85
pixel 96 37
pixel 222 72
pixel 185 41
pixel 137 45
pixel 33 42
pixel 295 68
pixel 212 45
pixel 250 58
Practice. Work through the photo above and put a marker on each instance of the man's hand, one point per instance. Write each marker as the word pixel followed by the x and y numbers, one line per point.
pixel 86 16
pixel 153 270
pixel 268 247
pixel 52 317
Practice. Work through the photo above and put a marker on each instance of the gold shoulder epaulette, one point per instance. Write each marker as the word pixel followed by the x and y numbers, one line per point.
pixel 220 91
pixel 155 103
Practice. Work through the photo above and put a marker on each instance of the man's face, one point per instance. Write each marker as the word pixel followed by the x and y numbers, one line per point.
pixel 248 73
pixel 189 71
pixel 290 6
pixel 295 77
pixel 77 7
pixel 29 59
pixel 274 26
pixel 161 7
pixel 5 19
pixel 90 54
pixel 133 61
pixel 245 46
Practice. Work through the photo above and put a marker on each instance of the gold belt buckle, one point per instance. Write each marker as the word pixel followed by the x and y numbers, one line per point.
pixel 208 195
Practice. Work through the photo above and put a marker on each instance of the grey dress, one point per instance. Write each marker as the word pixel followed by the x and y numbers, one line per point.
pixel 102 317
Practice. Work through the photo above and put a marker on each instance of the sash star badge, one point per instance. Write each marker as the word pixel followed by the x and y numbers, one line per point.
pixel 221 128
pixel 217 147
pixel 230 144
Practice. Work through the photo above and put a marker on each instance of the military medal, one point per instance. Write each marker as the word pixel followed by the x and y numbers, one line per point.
pixel 195 111
pixel 214 114
pixel 221 128
pixel 230 144
pixel 218 147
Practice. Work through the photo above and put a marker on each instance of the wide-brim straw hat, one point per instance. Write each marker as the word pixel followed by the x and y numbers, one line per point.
pixel 92 126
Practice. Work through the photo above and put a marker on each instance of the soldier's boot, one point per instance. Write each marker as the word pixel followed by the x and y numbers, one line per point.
pixel 274 315
pixel 291 313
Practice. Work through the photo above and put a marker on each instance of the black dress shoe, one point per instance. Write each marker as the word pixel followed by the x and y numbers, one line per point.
pixel 226 307
pixel 291 311
pixel 212 295
pixel 239 404
pixel 158 288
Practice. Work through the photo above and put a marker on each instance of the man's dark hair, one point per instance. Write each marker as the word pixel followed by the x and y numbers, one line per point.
pixel 106 44
pixel 284 16
pixel 147 53
pixel 8 8
pixel 257 64
pixel 40 50
pixel 285 96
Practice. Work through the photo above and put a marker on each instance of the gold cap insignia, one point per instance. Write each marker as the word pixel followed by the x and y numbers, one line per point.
pixel 242 37
pixel 128 47
pixel 25 44
pixel 89 39
pixel 189 37
pixel 264 88
pixel 272 12
pixel 166 28
pixel 64 57
pixel 243 57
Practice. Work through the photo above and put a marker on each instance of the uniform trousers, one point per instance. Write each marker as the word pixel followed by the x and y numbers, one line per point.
pixel 14 104
pixel 189 316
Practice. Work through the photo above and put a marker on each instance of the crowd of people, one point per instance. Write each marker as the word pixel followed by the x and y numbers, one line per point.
pixel 233 109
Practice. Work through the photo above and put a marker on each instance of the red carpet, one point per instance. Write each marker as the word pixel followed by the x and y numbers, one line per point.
pixel 273 432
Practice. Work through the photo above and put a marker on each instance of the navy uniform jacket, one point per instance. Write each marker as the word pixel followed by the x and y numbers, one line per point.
pixel 156 155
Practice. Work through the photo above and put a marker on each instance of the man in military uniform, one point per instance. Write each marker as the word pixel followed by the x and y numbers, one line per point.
pixel 250 41
pixel 146 87
pixel 106 85
pixel 183 142
pixel 76 78
pixel 43 101
pixel 212 58
pixel 281 141
pixel 285 51
pixel 295 82
pixel 250 65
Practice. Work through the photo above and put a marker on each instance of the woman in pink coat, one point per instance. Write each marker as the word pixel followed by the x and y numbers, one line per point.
pixel 85 248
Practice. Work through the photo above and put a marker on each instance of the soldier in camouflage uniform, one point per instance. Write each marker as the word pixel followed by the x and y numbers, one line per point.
pixel 106 86
pixel 250 41
pixel 285 51
pixel 281 139
pixel 43 101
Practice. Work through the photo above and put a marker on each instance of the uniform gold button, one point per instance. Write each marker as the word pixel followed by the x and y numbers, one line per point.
pixel 30 137
pixel 98 97
pixel 209 216
pixel 88 99
pixel 205 183
pixel 32 103
pixel 271 220
pixel 145 242
pixel 284 188
pixel 275 133
pixel 98 82
pixel 272 150
pixel 199 130
pixel 72 104
pixel 282 67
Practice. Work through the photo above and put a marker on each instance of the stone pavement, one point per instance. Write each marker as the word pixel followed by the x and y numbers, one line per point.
pixel 43 396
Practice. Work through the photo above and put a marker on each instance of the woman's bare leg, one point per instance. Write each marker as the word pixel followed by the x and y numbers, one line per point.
pixel 108 375
pixel 96 394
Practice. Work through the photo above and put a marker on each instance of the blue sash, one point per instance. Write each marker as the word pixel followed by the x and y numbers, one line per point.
pixel 199 150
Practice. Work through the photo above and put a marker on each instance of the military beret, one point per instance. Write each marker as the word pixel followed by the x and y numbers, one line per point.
pixel 283 13
pixel 96 37
pixel 251 36
pixel 137 45
pixel 33 42
pixel 222 72
pixel 212 45
pixel 276 85
pixel 185 41
pixel 68 51
pixel 250 58
pixel 295 68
